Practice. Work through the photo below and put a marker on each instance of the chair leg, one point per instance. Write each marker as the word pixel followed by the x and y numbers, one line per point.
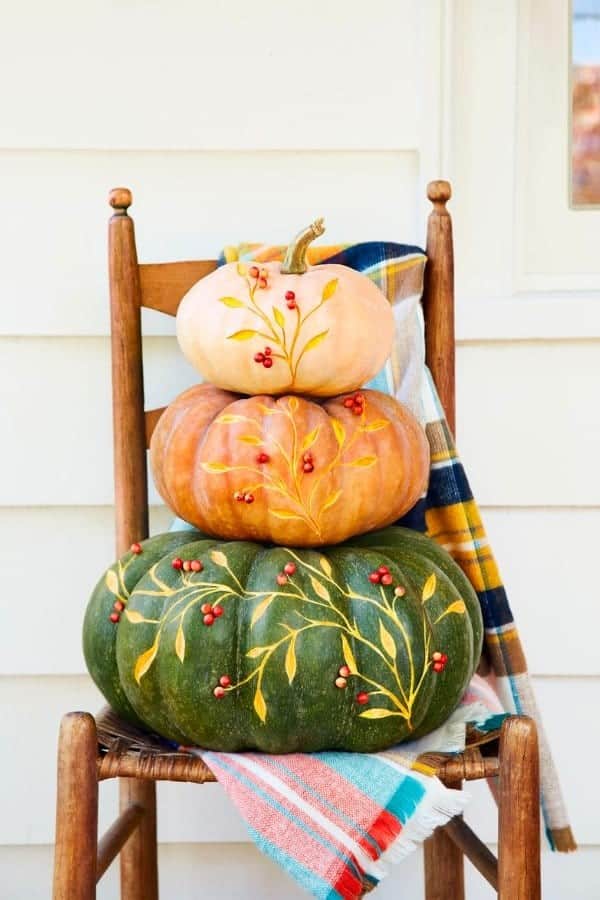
pixel 519 876
pixel 139 864
pixel 444 866
pixel 76 809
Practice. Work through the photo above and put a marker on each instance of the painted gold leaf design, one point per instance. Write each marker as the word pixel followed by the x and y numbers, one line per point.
pixel 457 607
pixel 283 514
pixel 377 425
pixel 232 302
pixel 429 588
pixel 112 582
pixel 215 467
pixel 278 316
pixel 348 655
pixel 260 609
pixel 339 431
pixel 387 641
pixel 329 289
pixel 293 404
pixel 363 462
pixel 260 707
pixel 377 713
pixel 255 652
pixel 244 335
pixel 219 558
pixel 315 341
pixel 267 410
pixel 135 617
pixel 242 269
pixel 333 498
pixel 310 439
pixel 230 418
pixel 319 589
pixel 290 661
pixel 250 439
pixel 145 660
pixel 180 643
pixel 325 565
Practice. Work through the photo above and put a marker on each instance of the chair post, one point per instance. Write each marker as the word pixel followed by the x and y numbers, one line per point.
pixel 519 876
pixel 139 866
pixel 438 299
pixel 76 809
pixel 444 864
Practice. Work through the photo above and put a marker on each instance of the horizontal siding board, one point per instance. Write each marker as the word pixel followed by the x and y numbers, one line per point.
pixel 240 871
pixel 220 76
pixel 187 205
pixel 538 550
pixel 528 419
pixel 33 706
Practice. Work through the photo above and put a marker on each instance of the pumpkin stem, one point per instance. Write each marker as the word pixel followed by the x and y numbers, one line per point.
pixel 295 257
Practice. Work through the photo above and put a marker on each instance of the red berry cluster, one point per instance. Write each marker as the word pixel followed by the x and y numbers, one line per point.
pixel 221 688
pixel 381 575
pixel 308 463
pixel 263 458
pixel 118 607
pixel 210 613
pixel 187 565
pixel 343 674
pixel 265 358
pixel 356 404
pixel 290 299
pixel 136 548
pixel 439 661
pixel 244 496
pixel 261 276
pixel 288 570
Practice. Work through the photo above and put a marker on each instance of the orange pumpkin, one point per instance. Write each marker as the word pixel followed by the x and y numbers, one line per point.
pixel 288 470
pixel 286 327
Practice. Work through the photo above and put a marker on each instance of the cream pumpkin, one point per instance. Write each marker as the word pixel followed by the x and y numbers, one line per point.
pixel 289 470
pixel 286 327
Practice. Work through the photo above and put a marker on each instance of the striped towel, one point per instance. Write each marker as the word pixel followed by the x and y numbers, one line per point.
pixel 333 820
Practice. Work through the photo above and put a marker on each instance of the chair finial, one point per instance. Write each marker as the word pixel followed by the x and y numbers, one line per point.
pixel 439 191
pixel 120 199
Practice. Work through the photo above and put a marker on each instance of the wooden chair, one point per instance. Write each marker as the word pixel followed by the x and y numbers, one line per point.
pixel 89 752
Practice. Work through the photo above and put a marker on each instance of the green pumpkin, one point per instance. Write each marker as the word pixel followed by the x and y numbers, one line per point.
pixel 285 650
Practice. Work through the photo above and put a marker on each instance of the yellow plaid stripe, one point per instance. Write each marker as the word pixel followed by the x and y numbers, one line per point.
pixel 457 527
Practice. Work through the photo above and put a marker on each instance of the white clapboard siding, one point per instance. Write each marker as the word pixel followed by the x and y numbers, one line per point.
pixel 541 552
pixel 187 205
pixel 529 420
pixel 180 74
pixel 240 872
pixel 33 707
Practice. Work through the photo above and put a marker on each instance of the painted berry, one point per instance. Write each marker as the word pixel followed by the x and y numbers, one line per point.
pixel 340 682
pixel 196 565
pixel 259 357
pixel 349 402
pixel 267 351
pixel 253 271
pixel 217 611
pixel 224 681
pixel 383 570
pixel 374 577
pixel 268 362
pixel 187 565
pixel 114 617
pixel 437 656
pixel 444 658
pixel 307 467
pixel 399 590
pixel 386 579
pixel 219 692
pixel 262 282
pixel 177 563
pixel 136 548
pixel 290 295
pixel 362 697
pixel 119 606
pixel 438 667
pixel 289 568
pixel 263 458
pixel 206 608
pixel 344 671
pixel 248 498
pixel 239 496
pixel 282 578
pixel 208 619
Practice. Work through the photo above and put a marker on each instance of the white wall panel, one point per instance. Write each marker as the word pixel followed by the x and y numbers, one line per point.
pixel 540 552
pixel 187 205
pixel 32 708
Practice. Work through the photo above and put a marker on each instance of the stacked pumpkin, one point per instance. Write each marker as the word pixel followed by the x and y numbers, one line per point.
pixel 287 622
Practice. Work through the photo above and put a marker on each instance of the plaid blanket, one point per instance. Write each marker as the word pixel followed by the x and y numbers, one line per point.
pixel 333 819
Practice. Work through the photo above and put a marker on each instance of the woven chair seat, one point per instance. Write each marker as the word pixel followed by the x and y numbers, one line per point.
pixel 129 752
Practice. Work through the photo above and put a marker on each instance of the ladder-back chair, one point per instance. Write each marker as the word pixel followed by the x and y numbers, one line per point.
pixel 89 752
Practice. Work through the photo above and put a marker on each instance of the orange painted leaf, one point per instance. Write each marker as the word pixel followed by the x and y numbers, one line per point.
pixel 284 514
pixel 250 439
pixel 260 609
pixel 329 289
pixel 348 655
pixel 290 661
pixel 457 607
pixel 363 462
pixel 293 404
pixel 333 498
pixel 244 335
pixel 230 418
pixel 278 316
pixel 232 302
pixel 215 467
pixel 310 439
pixel 378 713
pixel 145 660
pixel 339 431
pixel 260 707
pixel 387 641
pixel 268 411
pixel 429 588
pixel 180 643
pixel 377 425
pixel 315 341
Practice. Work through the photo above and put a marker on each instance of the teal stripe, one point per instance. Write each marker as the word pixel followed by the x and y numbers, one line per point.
pixel 311 882
pixel 399 794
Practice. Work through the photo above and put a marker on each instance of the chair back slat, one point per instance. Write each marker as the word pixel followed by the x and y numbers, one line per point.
pixel 164 284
